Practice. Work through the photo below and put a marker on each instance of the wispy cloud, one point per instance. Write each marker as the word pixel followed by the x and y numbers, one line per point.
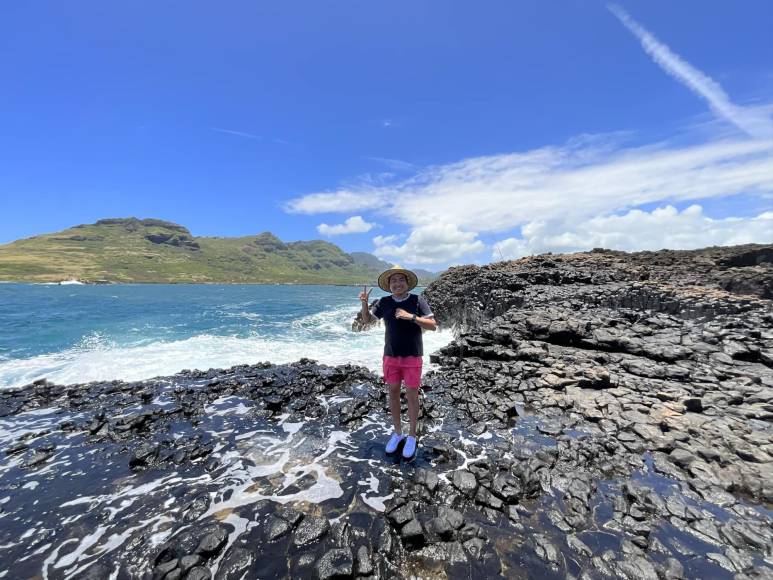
pixel 395 164
pixel 550 189
pixel 569 182
pixel 237 133
pixel 353 225
pixel 341 201
pixel 386 123
pixel 386 240
pixel 753 121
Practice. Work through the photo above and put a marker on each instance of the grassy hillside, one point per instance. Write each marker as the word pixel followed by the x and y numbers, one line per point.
pixel 149 250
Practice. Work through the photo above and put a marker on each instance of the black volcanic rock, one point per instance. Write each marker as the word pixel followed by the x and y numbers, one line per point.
pixel 466 295
pixel 336 563
pixel 311 529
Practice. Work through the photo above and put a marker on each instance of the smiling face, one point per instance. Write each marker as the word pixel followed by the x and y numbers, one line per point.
pixel 398 284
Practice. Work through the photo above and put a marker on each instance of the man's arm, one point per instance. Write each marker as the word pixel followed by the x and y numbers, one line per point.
pixel 426 322
pixel 424 317
pixel 367 317
pixel 365 314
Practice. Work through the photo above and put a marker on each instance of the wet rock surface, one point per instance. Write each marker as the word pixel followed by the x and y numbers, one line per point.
pixel 599 415
pixel 639 369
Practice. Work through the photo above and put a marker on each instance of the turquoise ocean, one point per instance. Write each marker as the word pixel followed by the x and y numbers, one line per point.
pixel 80 333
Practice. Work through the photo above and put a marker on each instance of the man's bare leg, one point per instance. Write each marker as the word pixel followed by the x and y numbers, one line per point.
pixel 394 407
pixel 413 409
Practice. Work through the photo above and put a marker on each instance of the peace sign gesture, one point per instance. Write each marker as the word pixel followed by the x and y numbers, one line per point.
pixel 365 294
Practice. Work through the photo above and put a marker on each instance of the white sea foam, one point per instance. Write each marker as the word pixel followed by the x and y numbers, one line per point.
pixel 325 337
pixel 223 407
pixel 15 427
pixel 374 501
pixel 289 462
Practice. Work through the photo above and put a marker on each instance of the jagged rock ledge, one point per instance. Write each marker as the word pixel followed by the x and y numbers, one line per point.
pixel 663 361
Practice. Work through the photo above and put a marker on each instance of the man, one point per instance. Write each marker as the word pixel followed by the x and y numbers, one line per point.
pixel 405 316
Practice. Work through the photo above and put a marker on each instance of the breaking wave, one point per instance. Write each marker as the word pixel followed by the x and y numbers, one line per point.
pixel 325 336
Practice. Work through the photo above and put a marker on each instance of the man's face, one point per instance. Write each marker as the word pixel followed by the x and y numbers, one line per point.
pixel 398 284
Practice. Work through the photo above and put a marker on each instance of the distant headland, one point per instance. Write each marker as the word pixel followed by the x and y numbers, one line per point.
pixel 132 250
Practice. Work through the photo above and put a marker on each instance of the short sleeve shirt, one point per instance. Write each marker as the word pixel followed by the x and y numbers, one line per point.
pixel 424 309
pixel 402 337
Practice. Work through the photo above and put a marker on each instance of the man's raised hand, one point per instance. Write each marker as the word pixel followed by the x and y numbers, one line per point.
pixel 365 294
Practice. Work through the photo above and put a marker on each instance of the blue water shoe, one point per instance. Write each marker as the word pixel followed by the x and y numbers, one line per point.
pixel 410 448
pixel 394 441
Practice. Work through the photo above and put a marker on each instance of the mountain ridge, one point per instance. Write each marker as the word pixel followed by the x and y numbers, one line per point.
pixel 150 250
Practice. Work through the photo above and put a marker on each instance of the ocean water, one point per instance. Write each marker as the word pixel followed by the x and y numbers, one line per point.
pixel 77 333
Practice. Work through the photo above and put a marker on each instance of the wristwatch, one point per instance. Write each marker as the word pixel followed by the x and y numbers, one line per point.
pixel 413 319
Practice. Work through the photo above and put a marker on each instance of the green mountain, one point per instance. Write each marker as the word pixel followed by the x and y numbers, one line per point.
pixel 374 263
pixel 425 276
pixel 152 250
pixel 369 261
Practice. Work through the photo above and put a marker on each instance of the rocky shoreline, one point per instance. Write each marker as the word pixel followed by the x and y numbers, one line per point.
pixel 600 415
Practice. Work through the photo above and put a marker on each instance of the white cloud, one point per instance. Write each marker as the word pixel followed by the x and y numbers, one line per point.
pixel 753 121
pixel 430 244
pixel 341 201
pixel 577 181
pixel 353 225
pixel 501 192
pixel 385 240
pixel 664 227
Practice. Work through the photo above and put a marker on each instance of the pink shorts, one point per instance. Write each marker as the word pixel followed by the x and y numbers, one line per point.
pixel 403 368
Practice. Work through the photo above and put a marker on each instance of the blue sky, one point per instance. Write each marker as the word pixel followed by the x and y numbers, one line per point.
pixel 451 131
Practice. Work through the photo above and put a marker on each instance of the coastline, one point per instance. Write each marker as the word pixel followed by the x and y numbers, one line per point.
pixel 87 283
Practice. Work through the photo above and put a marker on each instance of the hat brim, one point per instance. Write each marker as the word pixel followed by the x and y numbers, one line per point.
pixel 383 279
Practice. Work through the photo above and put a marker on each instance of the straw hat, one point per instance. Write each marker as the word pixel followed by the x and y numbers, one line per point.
pixel 383 279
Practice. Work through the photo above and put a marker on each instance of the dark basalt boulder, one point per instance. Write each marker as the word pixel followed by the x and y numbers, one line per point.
pixel 336 563
pixel 311 529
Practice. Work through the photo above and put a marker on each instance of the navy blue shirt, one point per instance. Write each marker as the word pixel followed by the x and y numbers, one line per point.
pixel 401 337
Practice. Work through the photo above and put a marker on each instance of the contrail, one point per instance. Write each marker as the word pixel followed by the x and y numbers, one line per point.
pixel 239 133
pixel 754 123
